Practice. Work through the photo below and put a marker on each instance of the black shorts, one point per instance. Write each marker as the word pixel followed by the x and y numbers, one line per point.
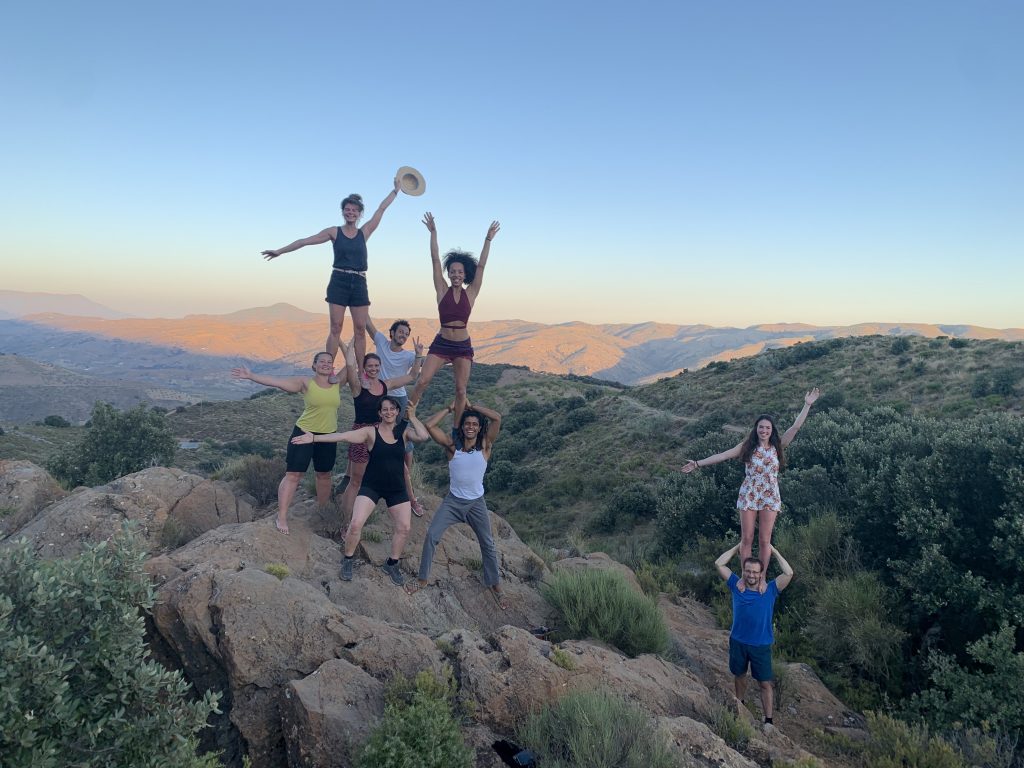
pixel 347 290
pixel 321 454
pixel 392 497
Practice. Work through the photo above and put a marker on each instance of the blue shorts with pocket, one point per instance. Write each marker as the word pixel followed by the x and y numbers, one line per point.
pixel 757 657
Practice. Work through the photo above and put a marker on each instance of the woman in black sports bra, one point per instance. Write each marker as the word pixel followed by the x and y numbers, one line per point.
pixel 347 287
pixel 384 479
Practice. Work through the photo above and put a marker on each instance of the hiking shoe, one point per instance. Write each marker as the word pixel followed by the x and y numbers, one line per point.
pixel 394 572
pixel 346 568
pixel 417 508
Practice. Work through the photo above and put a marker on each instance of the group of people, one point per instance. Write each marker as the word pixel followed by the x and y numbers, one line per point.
pixel 386 426
pixel 380 442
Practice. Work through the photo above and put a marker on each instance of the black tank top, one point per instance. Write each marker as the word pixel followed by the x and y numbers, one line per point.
pixel 386 469
pixel 350 252
pixel 367 405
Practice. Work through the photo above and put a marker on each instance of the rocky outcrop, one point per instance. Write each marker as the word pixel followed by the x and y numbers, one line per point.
pixel 25 490
pixel 169 506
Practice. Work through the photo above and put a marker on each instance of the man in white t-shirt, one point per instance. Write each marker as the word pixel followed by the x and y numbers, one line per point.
pixel 397 361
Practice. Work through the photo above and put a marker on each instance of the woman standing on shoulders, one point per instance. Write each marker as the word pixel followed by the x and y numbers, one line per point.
pixel 384 479
pixel 759 500
pixel 347 287
pixel 368 391
pixel 320 416
pixel 467 462
pixel 454 304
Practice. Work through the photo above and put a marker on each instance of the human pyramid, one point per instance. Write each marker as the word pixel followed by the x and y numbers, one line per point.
pixel 386 426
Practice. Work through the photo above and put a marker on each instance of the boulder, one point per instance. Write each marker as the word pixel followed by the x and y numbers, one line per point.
pixel 699 747
pixel 25 490
pixel 601 562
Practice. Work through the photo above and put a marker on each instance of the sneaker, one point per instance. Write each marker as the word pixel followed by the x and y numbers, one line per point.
pixel 417 508
pixel 346 568
pixel 394 572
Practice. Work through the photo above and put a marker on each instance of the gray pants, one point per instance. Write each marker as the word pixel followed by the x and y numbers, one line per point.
pixel 455 510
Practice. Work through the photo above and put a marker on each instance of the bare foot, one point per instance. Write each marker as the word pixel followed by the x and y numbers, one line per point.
pixel 281 525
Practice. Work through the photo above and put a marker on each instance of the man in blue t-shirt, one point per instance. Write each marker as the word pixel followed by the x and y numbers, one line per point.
pixel 750 640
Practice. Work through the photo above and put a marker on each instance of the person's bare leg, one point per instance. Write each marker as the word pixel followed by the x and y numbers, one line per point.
pixel 747 519
pixel 285 493
pixel 765 526
pixel 361 512
pixel 740 688
pixel 323 488
pixel 348 498
pixel 359 317
pixel 408 478
pixel 430 367
pixel 401 521
pixel 767 698
pixel 337 321
pixel 462 366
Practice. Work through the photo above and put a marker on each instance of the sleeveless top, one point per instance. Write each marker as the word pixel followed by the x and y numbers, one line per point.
pixel 367 405
pixel 386 469
pixel 450 312
pixel 321 412
pixel 350 252
pixel 760 489
pixel 467 474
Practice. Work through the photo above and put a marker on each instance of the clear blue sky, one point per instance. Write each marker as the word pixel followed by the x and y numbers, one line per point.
pixel 725 163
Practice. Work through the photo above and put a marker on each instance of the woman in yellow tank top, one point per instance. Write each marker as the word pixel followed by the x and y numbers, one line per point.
pixel 320 417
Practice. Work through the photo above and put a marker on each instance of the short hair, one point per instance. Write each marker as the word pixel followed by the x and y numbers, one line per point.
pixel 368 355
pixel 466 259
pixel 392 400
pixel 748 560
pixel 353 199
pixel 394 326
pixel 317 357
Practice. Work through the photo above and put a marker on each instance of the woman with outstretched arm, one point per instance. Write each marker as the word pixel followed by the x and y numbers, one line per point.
pixel 468 455
pixel 320 415
pixel 455 302
pixel 347 287
pixel 759 501
pixel 384 479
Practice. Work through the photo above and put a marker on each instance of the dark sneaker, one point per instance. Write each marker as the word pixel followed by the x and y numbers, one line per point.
pixel 394 572
pixel 346 568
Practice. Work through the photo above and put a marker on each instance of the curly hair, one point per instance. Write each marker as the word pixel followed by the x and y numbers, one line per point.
pixel 752 441
pixel 467 260
pixel 353 199
pixel 478 444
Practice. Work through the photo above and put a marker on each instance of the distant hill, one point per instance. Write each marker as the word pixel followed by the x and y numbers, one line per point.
pixel 627 353
pixel 21 303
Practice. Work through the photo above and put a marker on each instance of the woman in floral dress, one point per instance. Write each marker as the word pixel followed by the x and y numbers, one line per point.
pixel 759 501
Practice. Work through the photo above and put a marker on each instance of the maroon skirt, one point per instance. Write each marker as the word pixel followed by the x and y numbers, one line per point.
pixel 450 350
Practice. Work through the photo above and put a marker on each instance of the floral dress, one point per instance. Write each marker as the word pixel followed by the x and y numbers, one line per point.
pixel 760 489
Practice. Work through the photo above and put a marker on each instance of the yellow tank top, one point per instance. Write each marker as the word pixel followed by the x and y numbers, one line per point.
pixel 321 412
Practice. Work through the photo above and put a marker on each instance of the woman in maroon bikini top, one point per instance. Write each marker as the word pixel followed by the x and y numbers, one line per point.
pixel 454 305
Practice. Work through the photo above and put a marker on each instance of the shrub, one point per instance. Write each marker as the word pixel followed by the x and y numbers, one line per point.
pixel 563 659
pixel 56 421
pixel 280 570
pixel 627 505
pixel 595 730
pixel 78 685
pixel 731 728
pixel 419 729
pixel 601 604
pixel 257 476
pixel 894 744
pixel 899 346
pixel 956 343
pixel 116 443
pixel 505 476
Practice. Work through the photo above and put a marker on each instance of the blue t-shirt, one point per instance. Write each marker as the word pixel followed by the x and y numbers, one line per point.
pixel 752 613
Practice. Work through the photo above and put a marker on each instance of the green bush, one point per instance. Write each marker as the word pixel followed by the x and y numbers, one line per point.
pixel 601 604
pixel 595 730
pixel 731 728
pixel 419 729
pixel 56 421
pixel 257 476
pixel 627 505
pixel 895 744
pixel 116 443
pixel 78 686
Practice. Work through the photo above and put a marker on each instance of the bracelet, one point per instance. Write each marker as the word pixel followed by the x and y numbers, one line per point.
pixel 487 239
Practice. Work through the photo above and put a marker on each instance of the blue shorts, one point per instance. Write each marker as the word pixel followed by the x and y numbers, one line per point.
pixel 757 657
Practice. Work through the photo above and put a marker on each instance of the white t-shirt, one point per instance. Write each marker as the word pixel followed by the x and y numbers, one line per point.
pixel 393 364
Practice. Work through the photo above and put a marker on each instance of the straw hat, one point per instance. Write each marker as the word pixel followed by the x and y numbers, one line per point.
pixel 411 181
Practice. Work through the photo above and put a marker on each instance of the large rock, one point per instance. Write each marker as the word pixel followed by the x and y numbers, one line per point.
pixel 169 506
pixel 25 490
pixel 699 747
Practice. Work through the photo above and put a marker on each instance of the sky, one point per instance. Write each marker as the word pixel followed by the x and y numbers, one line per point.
pixel 727 163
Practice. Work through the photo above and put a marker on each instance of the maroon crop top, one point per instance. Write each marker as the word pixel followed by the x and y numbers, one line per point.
pixel 450 312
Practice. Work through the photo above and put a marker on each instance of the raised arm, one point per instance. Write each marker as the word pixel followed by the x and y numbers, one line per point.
pixel 288 384
pixel 721 563
pixel 324 236
pixel 493 421
pixel 355 436
pixel 351 369
pixel 782 581
pixel 801 417
pixel 478 281
pixel 420 434
pixel 433 427
pixel 371 328
pixel 440 286
pixel 369 227
pixel 718 458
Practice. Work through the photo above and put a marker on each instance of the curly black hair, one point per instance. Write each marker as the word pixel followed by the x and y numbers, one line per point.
pixel 466 259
